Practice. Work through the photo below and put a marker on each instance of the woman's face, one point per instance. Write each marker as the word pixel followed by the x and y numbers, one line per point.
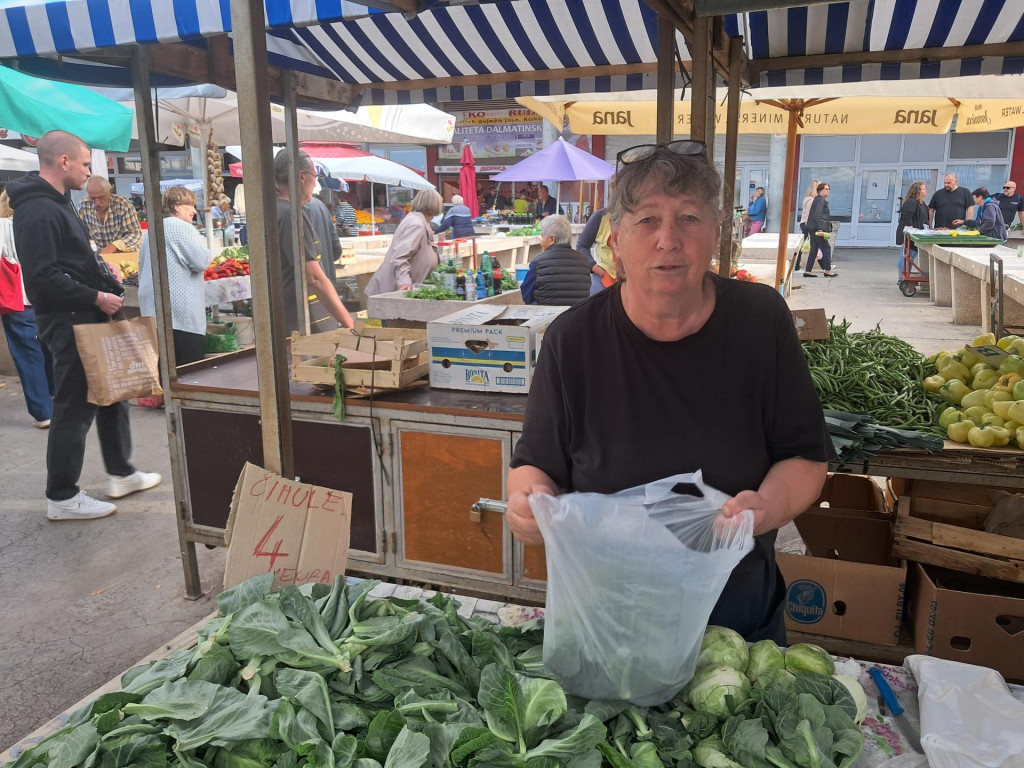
pixel 825 191
pixel 185 211
pixel 666 244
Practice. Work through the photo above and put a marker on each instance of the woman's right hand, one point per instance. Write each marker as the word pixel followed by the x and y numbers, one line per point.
pixel 520 516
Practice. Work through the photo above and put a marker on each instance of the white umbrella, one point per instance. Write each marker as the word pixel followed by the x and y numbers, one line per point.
pixel 375 169
pixel 12 159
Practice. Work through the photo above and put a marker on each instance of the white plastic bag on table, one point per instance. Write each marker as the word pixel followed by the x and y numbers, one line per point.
pixel 632 580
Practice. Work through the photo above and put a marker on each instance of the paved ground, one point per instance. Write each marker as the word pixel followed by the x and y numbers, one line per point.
pixel 84 601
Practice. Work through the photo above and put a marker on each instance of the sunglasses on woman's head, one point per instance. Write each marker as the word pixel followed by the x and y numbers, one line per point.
pixel 643 151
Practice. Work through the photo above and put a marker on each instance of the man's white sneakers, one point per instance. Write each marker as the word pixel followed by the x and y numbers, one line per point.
pixel 80 507
pixel 117 487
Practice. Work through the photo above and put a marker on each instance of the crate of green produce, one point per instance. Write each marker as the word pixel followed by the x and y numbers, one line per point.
pixel 970 239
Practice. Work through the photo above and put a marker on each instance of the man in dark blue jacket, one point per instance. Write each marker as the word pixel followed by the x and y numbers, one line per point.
pixel 459 219
pixel 546 205
pixel 69 285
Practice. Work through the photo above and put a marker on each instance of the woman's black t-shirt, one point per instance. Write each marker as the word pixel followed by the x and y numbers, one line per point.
pixel 609 409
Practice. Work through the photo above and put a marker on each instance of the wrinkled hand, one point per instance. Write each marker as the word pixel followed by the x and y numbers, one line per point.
pixel 114 270
pixel 520 517
pixel 108 303
pixel 108 249
pixel 765 510
pixel 405 287
pixel 958 222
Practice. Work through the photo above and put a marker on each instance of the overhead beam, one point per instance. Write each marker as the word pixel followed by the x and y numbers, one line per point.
pixel 666 79
pixel 908 56
pixel 721 7
pixel 503 77
pixel 681 13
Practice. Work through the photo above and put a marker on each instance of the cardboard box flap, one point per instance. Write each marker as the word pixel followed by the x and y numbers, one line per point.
pixel 298 531
pixel 811 324
pixel 828 535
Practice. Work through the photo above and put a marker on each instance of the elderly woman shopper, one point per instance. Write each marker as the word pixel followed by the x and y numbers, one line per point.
pixel 412 254
pixel 459 219
pixel 819 228
pixel 625 388
pixel 560 275
pixel 187 258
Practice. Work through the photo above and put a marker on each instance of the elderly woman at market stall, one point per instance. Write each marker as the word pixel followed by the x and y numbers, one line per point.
pixel 642 381
pixel 412 254
pixel 187 259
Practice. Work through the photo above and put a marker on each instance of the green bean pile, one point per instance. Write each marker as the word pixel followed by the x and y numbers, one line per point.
pixel 873 374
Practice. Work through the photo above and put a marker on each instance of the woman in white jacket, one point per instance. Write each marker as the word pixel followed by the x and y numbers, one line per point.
pixel 31 357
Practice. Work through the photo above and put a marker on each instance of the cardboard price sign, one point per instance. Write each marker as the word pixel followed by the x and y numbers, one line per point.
pixel 299 532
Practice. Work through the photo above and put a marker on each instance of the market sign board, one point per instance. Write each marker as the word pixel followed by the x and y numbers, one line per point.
pixel 989 115
pixel 498 137
pixel 299 532
pixel 853 115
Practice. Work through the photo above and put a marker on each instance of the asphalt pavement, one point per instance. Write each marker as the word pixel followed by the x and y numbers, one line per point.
pixel 83 601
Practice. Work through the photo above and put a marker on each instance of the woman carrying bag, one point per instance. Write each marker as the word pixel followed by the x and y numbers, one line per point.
pixel 32 359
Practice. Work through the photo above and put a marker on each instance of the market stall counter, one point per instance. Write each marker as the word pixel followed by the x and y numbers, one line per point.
pixel 883 739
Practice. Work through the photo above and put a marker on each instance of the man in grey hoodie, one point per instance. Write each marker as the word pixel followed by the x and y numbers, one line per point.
pixel 69 285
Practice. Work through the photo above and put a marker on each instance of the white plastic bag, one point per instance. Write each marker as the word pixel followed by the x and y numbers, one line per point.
pixel 969 718
pixel 632 580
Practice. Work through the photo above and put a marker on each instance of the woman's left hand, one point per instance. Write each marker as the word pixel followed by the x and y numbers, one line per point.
pixel 766 512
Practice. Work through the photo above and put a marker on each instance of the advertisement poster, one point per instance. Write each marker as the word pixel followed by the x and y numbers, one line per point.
pixel 498 137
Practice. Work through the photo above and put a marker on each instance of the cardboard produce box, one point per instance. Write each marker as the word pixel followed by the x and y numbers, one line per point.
pixel 848 585
pixel 488 348
pixel 968 618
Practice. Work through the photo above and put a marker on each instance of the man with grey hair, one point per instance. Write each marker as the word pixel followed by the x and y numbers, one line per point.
pixel 69 285
pixel 459 219
pixel 322 296
pixel 560 276
pixel 112 220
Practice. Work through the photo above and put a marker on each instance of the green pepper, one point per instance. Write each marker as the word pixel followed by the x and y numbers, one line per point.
pixel 981 437
pixel 977 397
pixel 1016 411
pixel 992 420
pixel 985 379
pixel 969 359
pixel 932 383
pixel 1018 390
pixel 1001 408
pixel 954 390
pixel 1011 426
pixel 979 367
pixel 976 413
pixel 985 340
pixel 1012 364
pixel 1016 347
pixel 951 368
pixel 1005 342
pixel 958 431
pixel 996 396
pixel 1019 436
pixel 950 416
pixel 1001 435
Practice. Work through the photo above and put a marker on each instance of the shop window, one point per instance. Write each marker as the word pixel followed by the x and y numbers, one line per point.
pixel 973 146
pixel 877 197
pixel 884 148
pixel 924 148
pixel 841 180
pixel 829 149
pixel 973 176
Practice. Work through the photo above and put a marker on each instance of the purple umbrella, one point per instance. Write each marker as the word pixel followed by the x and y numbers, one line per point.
pixel 560 161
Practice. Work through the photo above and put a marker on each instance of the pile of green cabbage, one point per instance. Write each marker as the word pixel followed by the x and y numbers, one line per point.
pixel 763 706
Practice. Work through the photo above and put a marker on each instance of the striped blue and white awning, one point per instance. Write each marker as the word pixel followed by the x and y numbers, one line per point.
pixel 861 26
pixel 496 49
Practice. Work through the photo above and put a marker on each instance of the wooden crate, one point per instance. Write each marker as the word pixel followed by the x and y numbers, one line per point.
pixel 943 524
pixel 381 358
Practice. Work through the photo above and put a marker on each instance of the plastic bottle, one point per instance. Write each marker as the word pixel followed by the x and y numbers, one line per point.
pixel 496 275
pixel 449 272
pixel 488 270
pixel 481 285
pixel 460 286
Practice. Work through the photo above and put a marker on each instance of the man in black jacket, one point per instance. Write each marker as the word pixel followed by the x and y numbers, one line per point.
pixel 69 285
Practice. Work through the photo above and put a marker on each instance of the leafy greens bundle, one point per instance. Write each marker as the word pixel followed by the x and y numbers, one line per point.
pixel 320 676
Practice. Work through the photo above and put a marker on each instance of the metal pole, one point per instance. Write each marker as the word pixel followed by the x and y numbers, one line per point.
pixel 787 194
pixel 291 134
pixel 732 121
pixel 666 79
pixel 158 267
pixel 250 41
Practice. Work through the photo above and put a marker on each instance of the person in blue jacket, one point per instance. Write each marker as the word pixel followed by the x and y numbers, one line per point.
pixel 757 211
pixel 459 219
pixel 988 218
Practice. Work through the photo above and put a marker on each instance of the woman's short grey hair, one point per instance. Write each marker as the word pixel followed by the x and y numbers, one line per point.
pixel 428 202
pixel 283 164
pixel 557 227
pixel 664 171
pixel 457 200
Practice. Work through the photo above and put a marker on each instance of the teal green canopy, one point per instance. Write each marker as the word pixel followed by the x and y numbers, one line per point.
pixel 33 106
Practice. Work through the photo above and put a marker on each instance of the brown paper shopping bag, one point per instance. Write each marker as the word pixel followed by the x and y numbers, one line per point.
pixel 120 359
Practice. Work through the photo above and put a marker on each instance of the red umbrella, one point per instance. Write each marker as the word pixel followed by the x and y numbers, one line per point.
pixel 467 181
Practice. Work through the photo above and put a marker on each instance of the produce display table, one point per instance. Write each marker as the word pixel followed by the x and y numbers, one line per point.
pixel 959 276
pixel 883 740
pixel 227 289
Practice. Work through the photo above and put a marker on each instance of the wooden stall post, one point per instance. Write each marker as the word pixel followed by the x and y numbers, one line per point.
pixel 291 138
pixel 666 78
pixel 732 120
